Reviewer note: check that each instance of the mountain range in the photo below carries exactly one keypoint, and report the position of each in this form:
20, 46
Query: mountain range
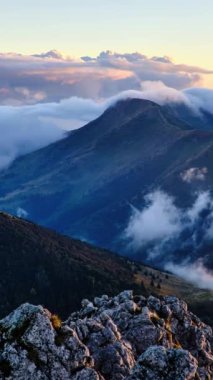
87, 184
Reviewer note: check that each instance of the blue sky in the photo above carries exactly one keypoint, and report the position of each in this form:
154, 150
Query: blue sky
180, 29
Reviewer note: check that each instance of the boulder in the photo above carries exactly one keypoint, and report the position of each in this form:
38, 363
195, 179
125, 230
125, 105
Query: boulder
125, 337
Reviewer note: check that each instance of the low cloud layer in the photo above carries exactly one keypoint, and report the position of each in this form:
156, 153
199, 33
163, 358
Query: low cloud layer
195, 273
160, 220
24, 129
163, 229
27, 128
50, 77
22, 133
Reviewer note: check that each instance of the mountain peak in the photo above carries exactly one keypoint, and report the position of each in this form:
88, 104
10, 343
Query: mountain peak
137, 102
122, 112
131, 106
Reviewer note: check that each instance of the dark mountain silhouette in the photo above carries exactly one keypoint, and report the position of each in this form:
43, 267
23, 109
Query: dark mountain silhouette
42, 267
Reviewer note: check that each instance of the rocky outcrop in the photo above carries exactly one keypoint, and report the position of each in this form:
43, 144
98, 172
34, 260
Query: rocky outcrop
125, 337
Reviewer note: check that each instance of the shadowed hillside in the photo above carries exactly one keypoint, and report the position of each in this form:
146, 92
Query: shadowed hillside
42, 267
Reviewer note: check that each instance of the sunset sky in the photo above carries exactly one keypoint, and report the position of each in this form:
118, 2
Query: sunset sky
180, 29
91, 47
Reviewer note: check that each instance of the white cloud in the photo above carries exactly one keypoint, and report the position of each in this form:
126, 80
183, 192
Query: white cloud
202, 202
195, 273
21, 213
194, 174
160, 223
22, 132
159, 220
163, 229
158, 92
24, 129
201, 98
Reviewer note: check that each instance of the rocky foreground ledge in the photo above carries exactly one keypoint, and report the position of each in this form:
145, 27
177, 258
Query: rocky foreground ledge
125, 337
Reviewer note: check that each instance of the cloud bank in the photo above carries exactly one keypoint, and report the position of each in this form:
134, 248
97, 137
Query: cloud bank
160, 221
50, 77
165, 231
22, 133
24, 129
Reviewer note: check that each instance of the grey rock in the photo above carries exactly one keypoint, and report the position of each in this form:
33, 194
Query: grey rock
159, 363
154, 303
123, 337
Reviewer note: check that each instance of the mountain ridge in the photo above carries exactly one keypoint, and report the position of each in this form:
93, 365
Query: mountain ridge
83, 185
42, 267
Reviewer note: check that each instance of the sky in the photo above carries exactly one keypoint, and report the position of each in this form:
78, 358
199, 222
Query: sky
52, 50
180, 29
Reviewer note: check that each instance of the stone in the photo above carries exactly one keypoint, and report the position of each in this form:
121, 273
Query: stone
125, 337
